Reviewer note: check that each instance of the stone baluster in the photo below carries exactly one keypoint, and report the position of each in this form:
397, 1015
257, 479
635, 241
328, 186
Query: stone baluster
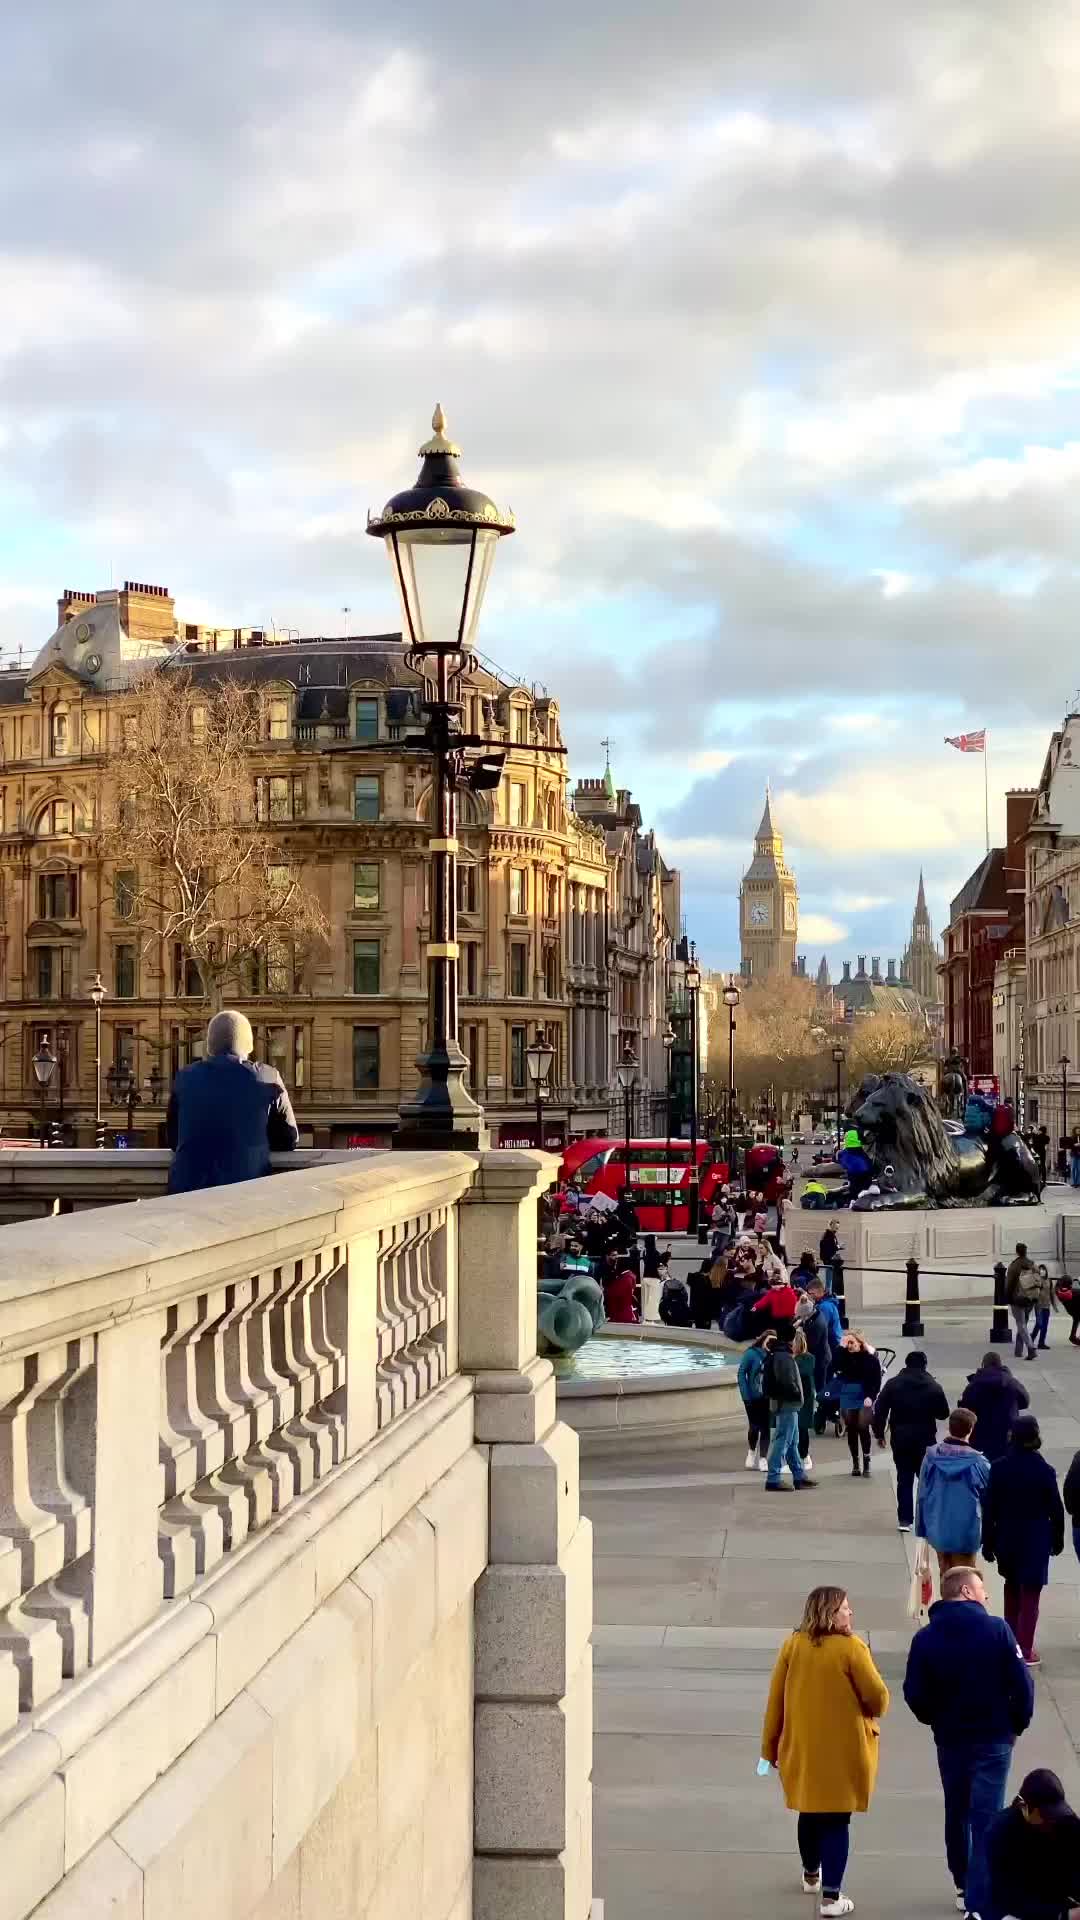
308, 1444
533, 1715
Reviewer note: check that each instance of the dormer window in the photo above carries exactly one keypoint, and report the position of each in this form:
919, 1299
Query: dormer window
59, 731
278, 719
366, 725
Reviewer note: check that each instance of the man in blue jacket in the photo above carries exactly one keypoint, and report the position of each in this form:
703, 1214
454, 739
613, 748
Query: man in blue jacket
226, 1113
966, 1680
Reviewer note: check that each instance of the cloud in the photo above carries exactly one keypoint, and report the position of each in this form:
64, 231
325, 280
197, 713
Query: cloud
820, 930
764, 320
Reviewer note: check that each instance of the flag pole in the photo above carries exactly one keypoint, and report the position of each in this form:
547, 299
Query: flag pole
986, 787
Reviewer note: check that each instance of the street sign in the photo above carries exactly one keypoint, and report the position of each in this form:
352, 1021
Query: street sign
121, 1140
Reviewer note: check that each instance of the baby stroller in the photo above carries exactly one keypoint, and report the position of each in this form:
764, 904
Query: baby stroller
828, 1400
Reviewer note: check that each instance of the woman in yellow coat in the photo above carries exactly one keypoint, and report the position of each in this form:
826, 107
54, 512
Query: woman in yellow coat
821, 1733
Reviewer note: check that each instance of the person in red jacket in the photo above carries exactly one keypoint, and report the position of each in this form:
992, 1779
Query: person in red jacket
619, 1284
779, 1300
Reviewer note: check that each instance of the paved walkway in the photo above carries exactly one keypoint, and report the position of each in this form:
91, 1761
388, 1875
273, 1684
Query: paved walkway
699, 1576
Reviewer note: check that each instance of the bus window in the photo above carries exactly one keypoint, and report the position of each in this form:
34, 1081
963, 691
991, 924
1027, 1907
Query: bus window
593, 1165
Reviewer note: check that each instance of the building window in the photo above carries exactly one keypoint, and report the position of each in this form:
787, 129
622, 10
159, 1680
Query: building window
124, 972
366, 886
277, 1050
299, 1056
551, 973
198, 725
58, 896
521, 725
124, 1047
367, 720
519, 959
517, 1058
129, 732
280, 796
466, 888
366, 796
518, 792
271, 971
365, 1059
55, 818
124, 887
53, 973
278, 719
519, 893
469, 967
187, 980
59, 734
470, 1047
365, 966
552, 899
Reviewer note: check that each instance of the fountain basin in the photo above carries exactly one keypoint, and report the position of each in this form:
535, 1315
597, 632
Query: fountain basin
633, 1385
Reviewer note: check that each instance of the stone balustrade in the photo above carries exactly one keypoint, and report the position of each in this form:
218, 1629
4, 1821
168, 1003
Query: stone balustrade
289, 1538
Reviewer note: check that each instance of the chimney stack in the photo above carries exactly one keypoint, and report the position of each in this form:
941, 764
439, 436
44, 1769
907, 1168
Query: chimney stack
891, 980
875, 967
847, 969
861, 974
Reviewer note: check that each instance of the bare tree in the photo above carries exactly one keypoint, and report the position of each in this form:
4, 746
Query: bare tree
890, 1043
202, 873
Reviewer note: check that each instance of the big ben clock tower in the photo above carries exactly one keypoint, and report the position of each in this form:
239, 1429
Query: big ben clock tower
768, 905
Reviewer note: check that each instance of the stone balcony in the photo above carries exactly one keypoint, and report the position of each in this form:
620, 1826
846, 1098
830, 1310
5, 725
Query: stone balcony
295, 1599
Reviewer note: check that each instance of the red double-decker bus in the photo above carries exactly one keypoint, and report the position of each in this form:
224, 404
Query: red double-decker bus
659, 1176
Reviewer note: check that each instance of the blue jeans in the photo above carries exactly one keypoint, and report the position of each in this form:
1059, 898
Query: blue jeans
1042, 1325
823, 1847
973, 1778
1074, 1170
784, 1447
1076, 1540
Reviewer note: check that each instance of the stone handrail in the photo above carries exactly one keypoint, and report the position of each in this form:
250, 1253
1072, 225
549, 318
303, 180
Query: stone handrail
175, 1375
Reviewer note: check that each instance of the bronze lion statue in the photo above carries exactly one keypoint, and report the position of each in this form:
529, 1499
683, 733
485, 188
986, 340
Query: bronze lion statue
935, 1161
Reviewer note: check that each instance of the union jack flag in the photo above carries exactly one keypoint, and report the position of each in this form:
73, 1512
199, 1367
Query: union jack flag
967, 742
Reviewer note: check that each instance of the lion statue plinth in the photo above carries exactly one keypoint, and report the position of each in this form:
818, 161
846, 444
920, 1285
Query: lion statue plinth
935, 1161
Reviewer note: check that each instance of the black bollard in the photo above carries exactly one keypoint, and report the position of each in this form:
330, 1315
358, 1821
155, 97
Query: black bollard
912, 1328
838, 1289
999, 1332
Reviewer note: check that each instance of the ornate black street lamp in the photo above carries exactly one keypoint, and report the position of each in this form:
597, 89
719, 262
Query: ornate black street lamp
839, 1057
441, 538
1065, 1063
627, 1073
693, 988
667, 1039
97, 995
732, 996
540, 1058
44, 1064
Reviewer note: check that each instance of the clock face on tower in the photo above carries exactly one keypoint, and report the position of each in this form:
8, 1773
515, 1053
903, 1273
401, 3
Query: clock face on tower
759, 914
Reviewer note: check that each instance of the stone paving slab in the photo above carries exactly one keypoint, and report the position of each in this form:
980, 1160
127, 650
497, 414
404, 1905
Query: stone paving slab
697, 1582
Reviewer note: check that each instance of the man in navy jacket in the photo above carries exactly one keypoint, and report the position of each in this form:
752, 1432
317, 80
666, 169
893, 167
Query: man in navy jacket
226, 1113
967, 1681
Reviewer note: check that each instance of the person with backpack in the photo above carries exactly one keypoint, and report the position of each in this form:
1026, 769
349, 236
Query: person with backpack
1022, 1287
804, 1360
1023, 1526
783, 1387
1046, 1304
909, 1406
751, 1379
995, 1396
952, 1488
675, 1303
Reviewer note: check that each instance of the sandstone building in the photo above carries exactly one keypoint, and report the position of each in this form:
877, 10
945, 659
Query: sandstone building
563, 916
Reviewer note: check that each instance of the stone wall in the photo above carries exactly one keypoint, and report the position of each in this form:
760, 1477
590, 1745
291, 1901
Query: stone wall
376, 1701
956, 1247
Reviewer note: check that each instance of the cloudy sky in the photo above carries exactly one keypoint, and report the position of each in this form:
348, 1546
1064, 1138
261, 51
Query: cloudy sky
763, 318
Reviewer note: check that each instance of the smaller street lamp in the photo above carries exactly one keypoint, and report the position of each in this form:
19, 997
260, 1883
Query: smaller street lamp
44, 1063
627, 1074
693, 988
97, 995
540, 1058
732, 996
839, 1057
667, 1040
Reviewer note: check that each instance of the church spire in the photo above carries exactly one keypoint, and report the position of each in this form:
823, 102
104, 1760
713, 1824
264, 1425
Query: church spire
920, 904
